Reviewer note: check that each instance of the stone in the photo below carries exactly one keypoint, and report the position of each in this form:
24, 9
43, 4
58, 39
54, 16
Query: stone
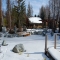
4, 43
18, 48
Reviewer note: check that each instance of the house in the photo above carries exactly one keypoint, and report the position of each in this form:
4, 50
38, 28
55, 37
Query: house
35, 22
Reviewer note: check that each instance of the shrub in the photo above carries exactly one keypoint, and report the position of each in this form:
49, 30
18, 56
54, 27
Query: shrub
11, 31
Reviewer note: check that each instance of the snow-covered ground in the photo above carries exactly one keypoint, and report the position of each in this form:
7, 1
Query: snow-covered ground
33, 44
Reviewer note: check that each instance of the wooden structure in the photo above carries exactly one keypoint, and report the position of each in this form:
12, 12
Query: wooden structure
24, 34
45, 44
47, 49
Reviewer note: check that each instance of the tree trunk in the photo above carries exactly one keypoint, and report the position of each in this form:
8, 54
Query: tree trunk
59, 26
0, 12
9, 13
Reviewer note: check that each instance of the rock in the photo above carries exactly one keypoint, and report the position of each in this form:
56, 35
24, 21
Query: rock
4, 43
0, 35
18, 48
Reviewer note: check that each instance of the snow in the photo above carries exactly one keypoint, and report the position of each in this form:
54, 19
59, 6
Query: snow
33, 44
35, 20
34, 30
54, 53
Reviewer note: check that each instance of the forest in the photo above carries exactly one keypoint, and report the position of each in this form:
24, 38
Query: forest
17, 13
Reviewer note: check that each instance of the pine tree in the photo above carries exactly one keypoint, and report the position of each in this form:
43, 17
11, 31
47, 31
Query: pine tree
42, 13
19, 13
21, 10
29, 11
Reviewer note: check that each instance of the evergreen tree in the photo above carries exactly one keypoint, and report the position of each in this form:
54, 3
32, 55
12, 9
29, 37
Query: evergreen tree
42, 13
19, 13
35, 15
29, 11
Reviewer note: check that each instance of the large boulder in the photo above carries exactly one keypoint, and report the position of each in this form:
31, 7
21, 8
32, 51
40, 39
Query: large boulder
18, 48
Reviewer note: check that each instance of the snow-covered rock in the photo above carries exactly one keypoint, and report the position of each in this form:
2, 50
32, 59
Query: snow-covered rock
18, 48
4, 43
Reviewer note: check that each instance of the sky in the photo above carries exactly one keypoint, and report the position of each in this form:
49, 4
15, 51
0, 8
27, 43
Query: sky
36, 4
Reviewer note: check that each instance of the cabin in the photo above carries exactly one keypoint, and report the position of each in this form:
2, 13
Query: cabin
35, 22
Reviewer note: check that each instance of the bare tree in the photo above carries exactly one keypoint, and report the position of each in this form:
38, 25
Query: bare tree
59, 16
9, 13
53, 12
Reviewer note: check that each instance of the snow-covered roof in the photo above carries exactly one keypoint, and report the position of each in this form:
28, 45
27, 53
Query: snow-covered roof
35, 20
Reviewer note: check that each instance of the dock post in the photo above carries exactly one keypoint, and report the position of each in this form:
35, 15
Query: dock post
55, 42
46, 44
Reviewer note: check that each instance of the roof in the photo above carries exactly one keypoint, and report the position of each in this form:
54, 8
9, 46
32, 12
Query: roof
35, 20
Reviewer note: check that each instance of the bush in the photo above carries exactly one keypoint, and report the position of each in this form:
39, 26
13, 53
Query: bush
11, 31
